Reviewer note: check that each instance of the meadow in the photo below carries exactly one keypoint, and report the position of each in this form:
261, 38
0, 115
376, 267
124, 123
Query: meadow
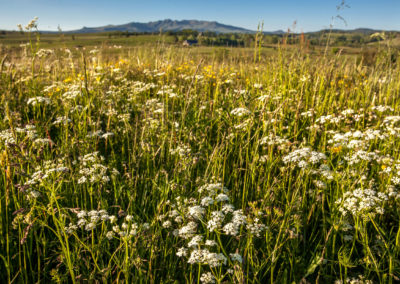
163, 164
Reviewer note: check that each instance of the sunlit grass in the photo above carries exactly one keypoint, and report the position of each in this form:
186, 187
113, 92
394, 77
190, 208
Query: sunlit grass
160, 165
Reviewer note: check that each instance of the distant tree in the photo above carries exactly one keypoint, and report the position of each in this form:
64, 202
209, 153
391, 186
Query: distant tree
248, 40
342, 38
356, 39
275, 39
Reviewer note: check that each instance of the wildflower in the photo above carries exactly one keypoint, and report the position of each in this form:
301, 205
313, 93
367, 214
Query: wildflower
196, 256
81, 223
255, 227
239, 112
196, 211
210, 243
167, 224
38, 100
32, 24
215, 221
228, 208
90, 226
231, 229
71, 228
195, 241
236, 257
188, 231
222, 197
35, 194
214, 259
206, 201
110, 235
113, 219
207, 278
362, 202
182, 252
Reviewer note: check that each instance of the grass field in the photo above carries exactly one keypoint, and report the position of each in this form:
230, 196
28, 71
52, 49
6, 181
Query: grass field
154, 163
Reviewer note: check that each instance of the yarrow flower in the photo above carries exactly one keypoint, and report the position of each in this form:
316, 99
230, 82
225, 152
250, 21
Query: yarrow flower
207, 278
239, 112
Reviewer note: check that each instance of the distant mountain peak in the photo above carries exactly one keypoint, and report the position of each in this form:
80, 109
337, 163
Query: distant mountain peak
198, 25
167, 25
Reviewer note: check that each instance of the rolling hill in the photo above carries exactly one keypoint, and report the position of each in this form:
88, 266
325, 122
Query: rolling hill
166, 25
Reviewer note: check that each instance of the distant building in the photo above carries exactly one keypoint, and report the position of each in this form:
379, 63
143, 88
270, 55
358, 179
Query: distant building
189, 42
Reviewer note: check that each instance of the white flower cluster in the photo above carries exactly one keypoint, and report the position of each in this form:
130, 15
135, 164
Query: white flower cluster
308, 113
154, 106
181, 150
141, 87
62, 120
28, 132
212, 188
233, 227
382, 108
90, 220
263, 98
303, 157
391, 119
168, 91
30, 26
204, 256
207, 278
99, 134
272, 139
44, 52
210, 214
362, 202
361, 156
50, 170
7, 137
325, 119
91, 170
360, 280
239, 112
38, 100
74, 91
356, 139
42, 141
392, 192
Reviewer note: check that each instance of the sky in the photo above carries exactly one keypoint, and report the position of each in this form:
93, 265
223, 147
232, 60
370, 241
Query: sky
309, 15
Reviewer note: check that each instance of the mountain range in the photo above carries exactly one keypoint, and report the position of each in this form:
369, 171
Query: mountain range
168, 25
200, 26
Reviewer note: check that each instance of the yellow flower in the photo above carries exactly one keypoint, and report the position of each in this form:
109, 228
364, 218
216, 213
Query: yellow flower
336, 149
68, 80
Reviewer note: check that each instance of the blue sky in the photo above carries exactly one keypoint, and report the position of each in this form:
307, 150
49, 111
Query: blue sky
310, 15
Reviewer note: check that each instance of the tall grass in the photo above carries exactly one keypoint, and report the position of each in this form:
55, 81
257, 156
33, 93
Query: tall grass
162, 165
